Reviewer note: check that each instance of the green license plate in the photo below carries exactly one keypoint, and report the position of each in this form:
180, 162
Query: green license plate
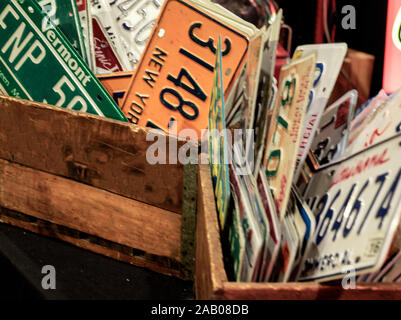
44, 67
64, 15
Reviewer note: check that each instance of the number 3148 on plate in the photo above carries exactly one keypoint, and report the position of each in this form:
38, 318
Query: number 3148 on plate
174, 80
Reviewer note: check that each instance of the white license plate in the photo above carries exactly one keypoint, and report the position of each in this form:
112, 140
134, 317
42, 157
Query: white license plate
135, 20
333, 128
329, 59
378, 126
357, 217
87, 32
107, 42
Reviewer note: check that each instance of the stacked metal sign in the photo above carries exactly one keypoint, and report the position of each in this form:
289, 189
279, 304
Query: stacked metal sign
304, 191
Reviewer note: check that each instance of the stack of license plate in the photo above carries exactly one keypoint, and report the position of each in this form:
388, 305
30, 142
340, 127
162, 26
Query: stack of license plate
305, 191
310, 191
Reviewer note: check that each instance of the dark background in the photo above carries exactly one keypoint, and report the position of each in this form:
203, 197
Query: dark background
368, 37
80, 274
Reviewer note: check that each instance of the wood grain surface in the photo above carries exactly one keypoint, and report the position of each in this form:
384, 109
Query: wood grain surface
210, 274
91, 210
104, 153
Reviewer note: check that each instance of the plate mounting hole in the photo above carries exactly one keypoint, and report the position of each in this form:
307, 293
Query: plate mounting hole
161, 33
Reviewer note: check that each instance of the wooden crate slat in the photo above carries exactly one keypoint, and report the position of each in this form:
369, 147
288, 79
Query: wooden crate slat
91, 210
308, 291
129, 255
210, 274
104, 153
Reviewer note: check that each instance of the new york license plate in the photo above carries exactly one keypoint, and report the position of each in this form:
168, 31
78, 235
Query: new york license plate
357, 217
174, 78
42, 66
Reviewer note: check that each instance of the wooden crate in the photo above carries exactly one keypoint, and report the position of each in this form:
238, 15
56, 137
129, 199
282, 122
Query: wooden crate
211, 279
85, 180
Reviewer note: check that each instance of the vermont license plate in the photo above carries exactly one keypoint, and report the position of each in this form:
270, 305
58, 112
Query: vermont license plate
357, 217
64, 14
174, 79
43, 67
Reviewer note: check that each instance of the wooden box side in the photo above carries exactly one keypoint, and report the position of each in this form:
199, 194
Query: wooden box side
211, 278
98, 245
104, 153
90, 210
209, 274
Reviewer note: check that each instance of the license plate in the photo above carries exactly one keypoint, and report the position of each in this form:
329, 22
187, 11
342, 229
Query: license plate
64, 14
116, 84
380, 125
252, 75
218, 147
86, 25
272, 217
236, 239
285, 128
357, 217
334, 128
253, 218
254, 241
135, 20
43, 67
174, 79
329, 59
267, 89
106, 40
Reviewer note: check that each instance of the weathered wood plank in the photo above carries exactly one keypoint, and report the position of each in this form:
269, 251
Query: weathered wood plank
71, 236
188, 221
104, 153
210, 274
309, 291
88, 209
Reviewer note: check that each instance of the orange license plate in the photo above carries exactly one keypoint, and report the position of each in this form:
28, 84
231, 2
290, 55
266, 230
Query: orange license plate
174, 79
116, 84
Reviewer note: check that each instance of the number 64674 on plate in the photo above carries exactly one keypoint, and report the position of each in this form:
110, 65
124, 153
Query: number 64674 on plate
357, 217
